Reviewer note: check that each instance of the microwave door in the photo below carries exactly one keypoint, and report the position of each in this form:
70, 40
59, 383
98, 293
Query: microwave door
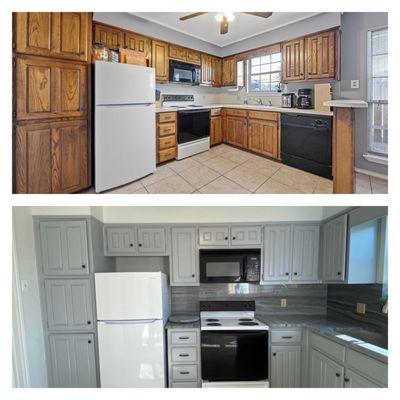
226, 269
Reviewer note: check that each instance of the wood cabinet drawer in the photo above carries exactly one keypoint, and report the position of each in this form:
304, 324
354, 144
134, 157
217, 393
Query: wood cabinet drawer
184, 354
329, 347
184, 337
184, 372
166, 142
270, 116
166, 129
166, 117
167, 154
236, 112
215, 112
292, 336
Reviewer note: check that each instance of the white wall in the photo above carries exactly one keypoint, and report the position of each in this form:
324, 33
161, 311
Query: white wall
58, 210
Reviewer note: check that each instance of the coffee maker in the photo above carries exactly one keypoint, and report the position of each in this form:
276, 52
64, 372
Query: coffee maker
304, 98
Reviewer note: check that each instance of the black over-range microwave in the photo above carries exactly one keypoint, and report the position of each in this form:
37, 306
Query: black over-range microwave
181, 72
230, 266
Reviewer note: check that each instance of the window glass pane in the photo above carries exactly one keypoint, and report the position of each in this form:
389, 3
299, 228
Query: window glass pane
265, 59
380, 65
255, 69
255, 83
379, 89
255, 61
276, 66
262, 71
379, 41
275, 57
276, 76
265, 68
275, 86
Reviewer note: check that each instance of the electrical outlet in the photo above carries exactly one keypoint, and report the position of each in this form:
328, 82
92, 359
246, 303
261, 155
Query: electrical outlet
283, 303
361, 308
355, 84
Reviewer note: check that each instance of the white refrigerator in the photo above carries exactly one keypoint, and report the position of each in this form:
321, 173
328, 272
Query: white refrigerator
132, 310
124, 123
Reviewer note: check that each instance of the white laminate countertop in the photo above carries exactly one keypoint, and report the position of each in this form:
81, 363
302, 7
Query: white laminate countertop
344, 103
249, 107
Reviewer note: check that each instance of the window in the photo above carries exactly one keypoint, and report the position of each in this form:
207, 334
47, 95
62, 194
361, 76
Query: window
378, 91
264, 73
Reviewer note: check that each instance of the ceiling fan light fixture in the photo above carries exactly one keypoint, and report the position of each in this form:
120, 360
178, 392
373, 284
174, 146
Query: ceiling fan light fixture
230, 17
219, 17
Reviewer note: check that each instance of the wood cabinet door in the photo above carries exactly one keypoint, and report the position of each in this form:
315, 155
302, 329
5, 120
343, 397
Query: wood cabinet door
193, 57
61, 35
68, 304
324, 372
50, 89
236, 131
184, 257
52, 157
293, 60
305, 253
263, 137
285, 366
72, 359
152, 241
334, 239
159, 60
216, 130
216, 72
246, 235
177, 52
206, 69
321, 56
277, 253
214, 236
111, 37
229, 71
121, 240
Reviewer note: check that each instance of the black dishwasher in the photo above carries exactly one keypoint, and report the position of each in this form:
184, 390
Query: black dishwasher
306, 143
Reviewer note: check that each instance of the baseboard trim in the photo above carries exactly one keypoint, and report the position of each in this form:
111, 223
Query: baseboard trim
371, 173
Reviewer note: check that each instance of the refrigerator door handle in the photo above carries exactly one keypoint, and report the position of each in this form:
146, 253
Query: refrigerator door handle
128, 322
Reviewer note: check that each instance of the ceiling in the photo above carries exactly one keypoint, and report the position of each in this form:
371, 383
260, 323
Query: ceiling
206, 28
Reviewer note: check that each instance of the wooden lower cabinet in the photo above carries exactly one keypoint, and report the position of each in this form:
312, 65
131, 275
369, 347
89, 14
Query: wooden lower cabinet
263, 137
236, 131
216, 130
166, 136
51, 157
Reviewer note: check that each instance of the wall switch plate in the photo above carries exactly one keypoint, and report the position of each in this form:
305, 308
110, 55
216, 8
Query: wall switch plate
361, 308
24, 285
283, 303
355, 84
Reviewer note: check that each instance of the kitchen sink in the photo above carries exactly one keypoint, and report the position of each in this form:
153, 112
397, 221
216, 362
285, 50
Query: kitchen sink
368, 336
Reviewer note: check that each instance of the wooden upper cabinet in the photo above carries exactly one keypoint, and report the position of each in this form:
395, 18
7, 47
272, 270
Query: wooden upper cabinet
140, 43
113, 38
293, 60
177, 52
229, 71
322, 53
46, 88
193, 57
52, 157
206, 69
216, 72
61, 35
160, 60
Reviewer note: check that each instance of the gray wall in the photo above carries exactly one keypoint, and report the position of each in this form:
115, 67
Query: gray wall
354, 66
140, 25
142, 264
301, 299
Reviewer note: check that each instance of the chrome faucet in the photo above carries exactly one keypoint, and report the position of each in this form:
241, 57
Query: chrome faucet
259, 101
269, 102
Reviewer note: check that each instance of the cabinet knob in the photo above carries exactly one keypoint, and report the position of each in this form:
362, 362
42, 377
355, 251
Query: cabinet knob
130, 244
339, 273
83, 266
274, 354
337, 374
193, 275
226, 238
346, 379
295, 273
140, 244
234, 238
286, 273
89, 341
89, 322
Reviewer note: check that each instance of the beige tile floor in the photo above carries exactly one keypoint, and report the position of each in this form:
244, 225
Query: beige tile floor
224, 169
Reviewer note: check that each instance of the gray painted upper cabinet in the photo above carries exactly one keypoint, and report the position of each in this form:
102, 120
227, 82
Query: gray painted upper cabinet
246, 235
121, 240
64, 247
152, 240
286, 366
72, 358
183, 262
334, 238
214, 235
69, 304
305, 253
324, 372
277, 253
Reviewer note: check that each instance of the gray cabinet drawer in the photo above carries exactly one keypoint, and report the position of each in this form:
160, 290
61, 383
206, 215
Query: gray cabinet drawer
290, 336
329, 347
184, 372
183, 337
182, 354
368, 366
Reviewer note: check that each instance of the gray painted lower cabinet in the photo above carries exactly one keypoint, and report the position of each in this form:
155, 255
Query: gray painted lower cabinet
325, 373
73, 360
286, 366
354, 380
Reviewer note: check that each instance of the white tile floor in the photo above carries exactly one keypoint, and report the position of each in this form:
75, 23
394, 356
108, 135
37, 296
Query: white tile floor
224, 169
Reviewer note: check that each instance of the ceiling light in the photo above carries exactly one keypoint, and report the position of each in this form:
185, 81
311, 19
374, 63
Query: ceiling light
219, 17
229, 16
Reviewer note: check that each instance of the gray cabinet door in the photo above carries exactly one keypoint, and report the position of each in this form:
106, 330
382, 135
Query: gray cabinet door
305, 253
354, 380
246, 235
121, 241
214, 236
324, 372
152, 241
69, 304
72, 359
334, 235
277, 253
183, 262
285, 366
64, 247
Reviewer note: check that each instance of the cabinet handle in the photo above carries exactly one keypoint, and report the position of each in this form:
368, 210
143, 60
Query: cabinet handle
339, 273
226, 238
193, 275
183, 355
184, 337
286, 273
234, 238
295, 273
287, 337
89, 341
184, 372
337, 374
130, 244
346, 379
140, 244
89, 322
274, 354
83, 266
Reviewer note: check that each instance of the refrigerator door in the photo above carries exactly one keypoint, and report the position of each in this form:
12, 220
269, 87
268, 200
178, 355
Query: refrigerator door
132, 355
129, 296
123, 84
125, 144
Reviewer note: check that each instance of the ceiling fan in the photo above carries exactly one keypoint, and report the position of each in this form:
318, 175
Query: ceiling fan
225, 18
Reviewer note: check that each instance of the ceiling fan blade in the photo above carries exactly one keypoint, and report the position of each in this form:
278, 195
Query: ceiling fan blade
185, 17
224, 26
260, 14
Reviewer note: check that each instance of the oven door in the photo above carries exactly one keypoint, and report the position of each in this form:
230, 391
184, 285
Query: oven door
234, 355
193, 125
221, 269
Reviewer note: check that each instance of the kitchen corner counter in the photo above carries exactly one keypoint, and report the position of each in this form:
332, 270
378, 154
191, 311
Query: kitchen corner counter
177, 325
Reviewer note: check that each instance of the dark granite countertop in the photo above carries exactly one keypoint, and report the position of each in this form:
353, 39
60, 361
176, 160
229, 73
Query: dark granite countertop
176, 325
